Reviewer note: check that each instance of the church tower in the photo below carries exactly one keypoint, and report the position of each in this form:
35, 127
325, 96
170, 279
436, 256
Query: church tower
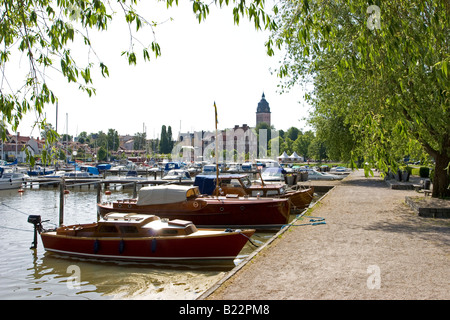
263, 111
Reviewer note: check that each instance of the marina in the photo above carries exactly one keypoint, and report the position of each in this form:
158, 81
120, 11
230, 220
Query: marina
337, 190
36, 274
28, 274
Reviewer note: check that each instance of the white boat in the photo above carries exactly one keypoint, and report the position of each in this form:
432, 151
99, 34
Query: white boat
11, 180
80, 175
85, 172
340, 170
177, 174
56, 175
273, 174
316, 175
267, 163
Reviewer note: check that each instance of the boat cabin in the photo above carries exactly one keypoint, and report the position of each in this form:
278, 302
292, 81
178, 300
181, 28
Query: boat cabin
238, 184
177, 174
130, 225
273, 174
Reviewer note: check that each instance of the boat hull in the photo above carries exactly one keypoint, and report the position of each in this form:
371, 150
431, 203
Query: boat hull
240, 185
214, 212
213, 246
14, 184
299, 199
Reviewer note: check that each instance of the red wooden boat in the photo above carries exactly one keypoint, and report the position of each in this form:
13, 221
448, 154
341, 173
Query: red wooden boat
135, 237
240, 184
186, 203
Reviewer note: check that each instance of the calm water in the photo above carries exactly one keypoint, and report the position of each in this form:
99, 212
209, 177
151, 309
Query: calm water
31, 274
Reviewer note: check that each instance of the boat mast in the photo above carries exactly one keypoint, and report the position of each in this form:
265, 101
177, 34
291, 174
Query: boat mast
217, 154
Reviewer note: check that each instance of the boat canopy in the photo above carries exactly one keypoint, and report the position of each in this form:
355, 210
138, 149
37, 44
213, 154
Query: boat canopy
273, 172
90, 170
172, 165
207, 183
103, 166
165, 194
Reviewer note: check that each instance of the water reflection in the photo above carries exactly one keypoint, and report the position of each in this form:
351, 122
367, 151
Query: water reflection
127, 280
30, 274
56, 277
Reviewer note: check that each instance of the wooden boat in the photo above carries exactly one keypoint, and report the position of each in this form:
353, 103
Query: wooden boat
143, 238
186, 203
241, 185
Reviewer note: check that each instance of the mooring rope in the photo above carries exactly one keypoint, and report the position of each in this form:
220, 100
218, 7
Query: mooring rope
21, 212
239, 231
312, 222
249, 240
24, 213
15, 229
10, 228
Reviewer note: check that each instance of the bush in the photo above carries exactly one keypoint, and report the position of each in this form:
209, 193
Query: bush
424, 172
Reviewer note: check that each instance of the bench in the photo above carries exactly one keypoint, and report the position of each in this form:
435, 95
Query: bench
427, 193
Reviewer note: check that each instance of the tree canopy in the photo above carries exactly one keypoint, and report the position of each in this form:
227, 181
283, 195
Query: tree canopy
42, 32
379, 70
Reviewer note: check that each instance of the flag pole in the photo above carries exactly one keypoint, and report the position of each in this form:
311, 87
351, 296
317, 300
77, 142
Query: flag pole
217, 153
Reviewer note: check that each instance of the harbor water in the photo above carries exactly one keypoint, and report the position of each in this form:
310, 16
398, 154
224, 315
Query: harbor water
34, 274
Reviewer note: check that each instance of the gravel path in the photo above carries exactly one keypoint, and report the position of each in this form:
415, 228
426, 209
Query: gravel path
372, 246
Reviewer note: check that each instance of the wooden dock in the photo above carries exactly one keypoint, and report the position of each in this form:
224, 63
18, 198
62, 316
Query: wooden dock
109, 178
54, 182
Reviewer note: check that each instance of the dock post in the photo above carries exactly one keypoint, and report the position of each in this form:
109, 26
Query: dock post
135, 190
99, 198
61, 201
98, 186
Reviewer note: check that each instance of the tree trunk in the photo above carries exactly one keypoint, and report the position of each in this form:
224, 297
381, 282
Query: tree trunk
441, 180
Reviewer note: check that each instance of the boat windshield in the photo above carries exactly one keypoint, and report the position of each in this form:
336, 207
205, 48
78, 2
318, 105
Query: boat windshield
246, 182
192, 193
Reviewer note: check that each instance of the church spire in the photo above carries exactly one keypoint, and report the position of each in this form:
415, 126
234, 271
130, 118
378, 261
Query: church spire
263, 111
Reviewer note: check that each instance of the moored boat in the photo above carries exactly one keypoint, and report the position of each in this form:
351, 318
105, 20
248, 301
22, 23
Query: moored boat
177, 175
11, 180
39, 171
186, 203
241, 185
84, 172
143, 238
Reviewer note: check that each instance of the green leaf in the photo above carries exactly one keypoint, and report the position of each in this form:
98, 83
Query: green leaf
104, 69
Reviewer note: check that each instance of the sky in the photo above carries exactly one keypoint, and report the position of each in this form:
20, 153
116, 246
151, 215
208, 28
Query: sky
214, 61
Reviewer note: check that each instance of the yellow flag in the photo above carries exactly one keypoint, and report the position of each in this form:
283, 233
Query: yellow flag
215, 109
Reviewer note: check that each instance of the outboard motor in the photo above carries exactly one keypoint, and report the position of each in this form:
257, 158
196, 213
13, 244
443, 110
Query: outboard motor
36, 221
